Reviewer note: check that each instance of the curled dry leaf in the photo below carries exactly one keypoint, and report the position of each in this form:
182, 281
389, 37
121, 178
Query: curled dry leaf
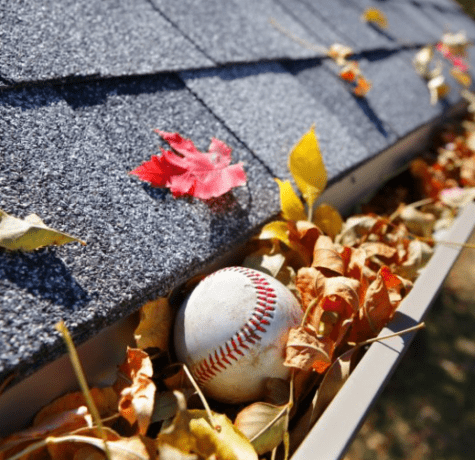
335, 377
284, 232
354, 229
137, 399
153, 331
105, 399
438, 89
418, 222
377, 309
56, 424
191, 432
363, 85
263, 424
422, 60
29, 234
166, 405
378, 249
328, 260
455, 44
457, 197
265, 260
304, 348
350, 71
418, 254
339, 53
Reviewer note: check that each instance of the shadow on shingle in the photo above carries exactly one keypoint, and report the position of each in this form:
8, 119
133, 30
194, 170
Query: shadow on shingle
365, 106
79, 95
382, 32
235, 71
44, 275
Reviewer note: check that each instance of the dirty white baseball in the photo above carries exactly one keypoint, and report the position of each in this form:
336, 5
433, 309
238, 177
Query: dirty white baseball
232, 330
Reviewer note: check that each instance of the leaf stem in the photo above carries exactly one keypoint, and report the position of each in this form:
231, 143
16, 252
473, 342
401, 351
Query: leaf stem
310, 212
396, 334
73, 356
308, 310
215, 426
300, 41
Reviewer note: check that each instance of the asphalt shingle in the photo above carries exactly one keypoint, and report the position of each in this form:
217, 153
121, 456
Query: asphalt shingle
239, 31
268, 109
355, 113
67, 153
83, 84
345, 18
78, 38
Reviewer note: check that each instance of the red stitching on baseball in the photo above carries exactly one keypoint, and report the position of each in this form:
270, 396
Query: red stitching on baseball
207, 368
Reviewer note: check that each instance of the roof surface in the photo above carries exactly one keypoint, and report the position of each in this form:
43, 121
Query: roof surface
82, 85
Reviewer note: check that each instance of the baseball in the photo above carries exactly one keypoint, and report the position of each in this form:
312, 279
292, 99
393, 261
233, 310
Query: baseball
231, 331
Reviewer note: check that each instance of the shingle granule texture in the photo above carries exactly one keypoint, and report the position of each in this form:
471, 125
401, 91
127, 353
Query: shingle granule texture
84, 83
66, 153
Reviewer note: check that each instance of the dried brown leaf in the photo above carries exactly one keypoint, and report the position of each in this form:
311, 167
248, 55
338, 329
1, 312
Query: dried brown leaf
153, 331
137, 399
263, 424
304, 348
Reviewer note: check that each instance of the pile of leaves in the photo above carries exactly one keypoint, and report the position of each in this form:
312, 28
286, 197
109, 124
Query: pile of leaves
453, 48
350, 276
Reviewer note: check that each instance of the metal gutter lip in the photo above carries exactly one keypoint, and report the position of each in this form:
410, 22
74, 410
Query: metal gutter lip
335, 429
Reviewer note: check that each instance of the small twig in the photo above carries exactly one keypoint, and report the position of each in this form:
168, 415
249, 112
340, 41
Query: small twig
308, 310
301, 42
454, 243
310, 213
202, 397
396, 334
73, 356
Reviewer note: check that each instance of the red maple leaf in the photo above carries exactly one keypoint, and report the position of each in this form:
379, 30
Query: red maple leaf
187, 171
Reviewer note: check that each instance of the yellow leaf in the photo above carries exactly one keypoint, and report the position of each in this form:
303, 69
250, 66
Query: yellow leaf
462, 77
227, 443
29, 234
375, 16
264, 424
156, 319
328, 219
307, 168
276, 230
333, 380
292, 207
279, 230
191, 431
266, 261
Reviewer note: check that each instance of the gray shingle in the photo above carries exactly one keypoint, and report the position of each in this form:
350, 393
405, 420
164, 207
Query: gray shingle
356, 114
449, 21
79, 38
399, 95
345, 18
239, 30
406, 28
269, 110
67, 160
